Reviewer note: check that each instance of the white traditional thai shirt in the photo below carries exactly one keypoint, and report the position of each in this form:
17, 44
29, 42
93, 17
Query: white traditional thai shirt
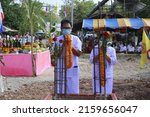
73, 72
123, 49
111, 52
131, 49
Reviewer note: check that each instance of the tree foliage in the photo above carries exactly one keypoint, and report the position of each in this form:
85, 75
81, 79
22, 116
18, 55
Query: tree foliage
32, 15
15, 18
81, 9
13, 14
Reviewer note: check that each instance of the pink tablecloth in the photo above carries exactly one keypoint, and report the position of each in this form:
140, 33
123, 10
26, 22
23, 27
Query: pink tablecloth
21, 64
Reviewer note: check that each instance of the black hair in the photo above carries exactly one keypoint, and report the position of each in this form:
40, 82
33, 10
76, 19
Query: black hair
65, 21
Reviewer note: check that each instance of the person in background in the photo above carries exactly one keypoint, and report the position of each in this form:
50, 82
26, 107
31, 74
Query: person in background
123, 48
78, 34
75, 47
128, 46
139, 48
120, 45
116, 46
131, 49
111, 60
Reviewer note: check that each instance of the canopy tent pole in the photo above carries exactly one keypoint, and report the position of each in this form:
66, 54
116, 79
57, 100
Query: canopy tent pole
126, 40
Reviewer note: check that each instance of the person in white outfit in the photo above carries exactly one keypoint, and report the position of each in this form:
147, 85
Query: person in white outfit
111, 60
131, 49
72, 74
123, 49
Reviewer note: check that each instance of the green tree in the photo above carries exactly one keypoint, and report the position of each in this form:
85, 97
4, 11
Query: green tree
32, 10
37, 16
13, 15
81, 9
51, 16
34, 15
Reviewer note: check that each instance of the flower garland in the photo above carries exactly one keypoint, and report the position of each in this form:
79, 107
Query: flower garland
102, 53
68, 56
102, 68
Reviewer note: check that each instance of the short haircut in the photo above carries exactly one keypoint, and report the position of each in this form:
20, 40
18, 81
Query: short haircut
65, 21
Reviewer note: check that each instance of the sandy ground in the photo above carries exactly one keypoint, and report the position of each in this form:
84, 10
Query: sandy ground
15, 83
130, 82
127, 67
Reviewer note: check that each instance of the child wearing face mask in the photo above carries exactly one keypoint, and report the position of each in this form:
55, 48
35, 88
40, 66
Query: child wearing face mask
72, 73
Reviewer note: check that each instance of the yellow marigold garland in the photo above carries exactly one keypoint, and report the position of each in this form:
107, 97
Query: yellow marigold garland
102, 68
68, 51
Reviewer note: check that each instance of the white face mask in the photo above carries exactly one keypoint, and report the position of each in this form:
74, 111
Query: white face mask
66, 31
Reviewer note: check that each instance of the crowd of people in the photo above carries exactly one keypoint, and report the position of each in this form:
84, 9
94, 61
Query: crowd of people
127, 48
18, 40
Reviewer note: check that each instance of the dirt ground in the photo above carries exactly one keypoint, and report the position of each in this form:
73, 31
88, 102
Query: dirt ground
130, 82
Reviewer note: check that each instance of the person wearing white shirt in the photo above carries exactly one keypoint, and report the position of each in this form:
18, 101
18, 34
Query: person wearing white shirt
139, 49
131, 49
120, 45
123, 49
128, 47
111, 60
72, 74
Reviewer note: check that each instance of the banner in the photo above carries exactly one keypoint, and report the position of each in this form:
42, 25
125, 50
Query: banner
145, 55
1, 26
1, 13
1, 18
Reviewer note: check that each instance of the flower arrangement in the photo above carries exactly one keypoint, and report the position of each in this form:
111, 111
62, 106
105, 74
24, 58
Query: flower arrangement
61, 46
55, 51
106, 34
